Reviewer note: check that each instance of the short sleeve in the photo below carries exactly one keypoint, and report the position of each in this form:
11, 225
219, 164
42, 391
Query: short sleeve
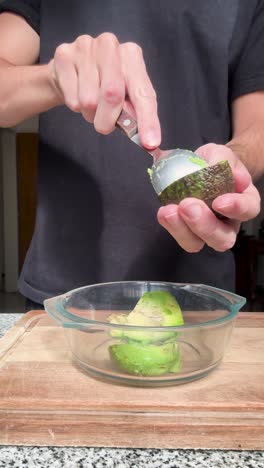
248, 75
28, 9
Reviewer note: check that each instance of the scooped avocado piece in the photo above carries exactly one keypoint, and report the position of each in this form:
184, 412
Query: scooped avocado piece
119, 319
146, 360
176, 367
154, 309
205, 184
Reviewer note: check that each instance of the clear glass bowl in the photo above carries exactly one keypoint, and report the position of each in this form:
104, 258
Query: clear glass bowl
148, 356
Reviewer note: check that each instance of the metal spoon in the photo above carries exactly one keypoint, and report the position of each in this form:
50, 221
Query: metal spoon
168, 165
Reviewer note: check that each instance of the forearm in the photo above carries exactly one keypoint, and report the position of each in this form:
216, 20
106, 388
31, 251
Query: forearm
24, 92
249, 147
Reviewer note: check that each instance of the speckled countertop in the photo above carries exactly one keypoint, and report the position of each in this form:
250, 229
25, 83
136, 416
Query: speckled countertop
86, 457
7, 320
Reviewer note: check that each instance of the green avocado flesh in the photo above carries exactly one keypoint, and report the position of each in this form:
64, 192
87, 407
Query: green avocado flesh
154, 309
198, 160
148, 352
146, 360
205, 184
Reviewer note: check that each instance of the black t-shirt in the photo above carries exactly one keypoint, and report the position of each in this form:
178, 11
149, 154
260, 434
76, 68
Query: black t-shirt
96, 217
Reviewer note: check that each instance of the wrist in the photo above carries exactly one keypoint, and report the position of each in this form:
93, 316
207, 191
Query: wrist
247, 147
53, 85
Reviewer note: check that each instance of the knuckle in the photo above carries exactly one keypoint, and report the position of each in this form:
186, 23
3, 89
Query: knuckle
194, 248
210, 146
62, 52
147, 93
104, 130
228, 150
113, 93
133, 48
73, 104
108, 37
84, 41
228, 154
207, 228
226, 244
153, 94
88, 102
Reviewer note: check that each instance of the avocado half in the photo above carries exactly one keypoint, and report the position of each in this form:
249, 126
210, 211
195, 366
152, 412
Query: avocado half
205, 184
148, 353
146, 360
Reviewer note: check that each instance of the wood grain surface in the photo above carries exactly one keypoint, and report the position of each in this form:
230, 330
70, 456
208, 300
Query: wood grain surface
46, 400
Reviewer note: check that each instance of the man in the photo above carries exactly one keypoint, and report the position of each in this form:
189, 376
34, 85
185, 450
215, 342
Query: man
203, 62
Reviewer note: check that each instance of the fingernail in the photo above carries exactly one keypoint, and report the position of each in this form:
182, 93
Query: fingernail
170, 211
224, 204
192, 211
171, 214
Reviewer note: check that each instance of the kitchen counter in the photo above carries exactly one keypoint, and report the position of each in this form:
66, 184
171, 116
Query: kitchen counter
84, 457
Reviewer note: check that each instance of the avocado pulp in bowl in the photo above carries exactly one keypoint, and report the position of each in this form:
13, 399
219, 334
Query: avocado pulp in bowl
142, 352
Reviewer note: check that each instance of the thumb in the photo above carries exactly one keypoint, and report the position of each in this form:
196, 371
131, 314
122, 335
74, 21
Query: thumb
242, 178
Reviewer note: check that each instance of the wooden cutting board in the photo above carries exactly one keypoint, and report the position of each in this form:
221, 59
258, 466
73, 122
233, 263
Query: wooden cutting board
46, 400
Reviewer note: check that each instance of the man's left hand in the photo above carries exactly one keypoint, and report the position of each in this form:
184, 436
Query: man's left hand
193, 224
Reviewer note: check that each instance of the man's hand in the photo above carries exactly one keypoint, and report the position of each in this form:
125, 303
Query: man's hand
94, 76
193, 224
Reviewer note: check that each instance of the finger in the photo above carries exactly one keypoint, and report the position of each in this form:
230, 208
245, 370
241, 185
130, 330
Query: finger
239, 206
242, 177
66, 76
88, 78
141, 94
213, 153
112, 83
220, 235
128, 106
169, 218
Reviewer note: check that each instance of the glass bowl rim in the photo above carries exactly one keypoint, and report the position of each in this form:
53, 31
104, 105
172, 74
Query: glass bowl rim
74, 320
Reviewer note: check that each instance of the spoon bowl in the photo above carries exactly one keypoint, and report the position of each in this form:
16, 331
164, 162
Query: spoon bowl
172, 165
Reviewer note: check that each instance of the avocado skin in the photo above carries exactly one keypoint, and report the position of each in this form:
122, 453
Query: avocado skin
146, 360
205, 184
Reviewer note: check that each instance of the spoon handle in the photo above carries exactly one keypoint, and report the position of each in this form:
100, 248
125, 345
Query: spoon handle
127, 124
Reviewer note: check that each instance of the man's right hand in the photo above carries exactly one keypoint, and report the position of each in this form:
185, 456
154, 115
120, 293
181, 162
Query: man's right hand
93, 76
99, 76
